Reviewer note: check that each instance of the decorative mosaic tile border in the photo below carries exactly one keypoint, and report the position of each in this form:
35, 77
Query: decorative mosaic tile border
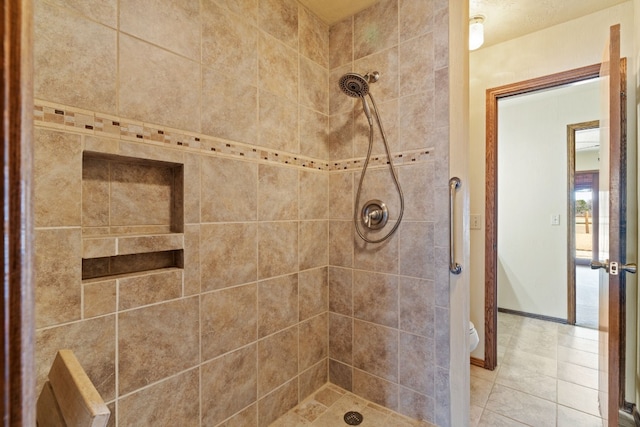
69, 118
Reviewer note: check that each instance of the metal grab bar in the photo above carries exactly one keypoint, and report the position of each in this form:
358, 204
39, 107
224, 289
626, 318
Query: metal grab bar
454, 267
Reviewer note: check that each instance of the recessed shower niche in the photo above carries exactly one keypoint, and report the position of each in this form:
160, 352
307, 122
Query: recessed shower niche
132, 215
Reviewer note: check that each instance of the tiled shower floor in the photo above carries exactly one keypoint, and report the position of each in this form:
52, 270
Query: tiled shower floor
327, 406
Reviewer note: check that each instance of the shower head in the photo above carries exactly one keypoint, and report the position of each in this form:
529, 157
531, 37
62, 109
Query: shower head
354, 85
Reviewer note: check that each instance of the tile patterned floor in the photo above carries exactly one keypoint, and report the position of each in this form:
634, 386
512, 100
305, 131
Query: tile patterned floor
547, 376
326, 408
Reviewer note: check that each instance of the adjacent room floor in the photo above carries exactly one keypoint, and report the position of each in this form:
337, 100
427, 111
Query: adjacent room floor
547, 375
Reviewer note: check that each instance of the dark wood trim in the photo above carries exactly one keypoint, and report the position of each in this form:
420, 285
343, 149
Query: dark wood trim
533, 315
491, 197
571, 209
477, 362
17, 365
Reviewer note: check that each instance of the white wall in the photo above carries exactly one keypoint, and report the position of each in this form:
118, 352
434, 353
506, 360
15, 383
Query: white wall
588, 160
532, 253
563, 47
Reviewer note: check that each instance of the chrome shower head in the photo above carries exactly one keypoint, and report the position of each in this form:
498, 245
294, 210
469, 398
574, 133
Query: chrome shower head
354, 85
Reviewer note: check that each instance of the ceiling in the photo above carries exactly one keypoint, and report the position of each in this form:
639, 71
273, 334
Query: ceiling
505, 19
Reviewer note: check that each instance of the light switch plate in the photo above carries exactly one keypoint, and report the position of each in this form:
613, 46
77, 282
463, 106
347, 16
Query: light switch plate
476, 222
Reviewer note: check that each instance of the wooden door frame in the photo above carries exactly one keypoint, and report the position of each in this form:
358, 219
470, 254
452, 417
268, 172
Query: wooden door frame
17, 362
493, 95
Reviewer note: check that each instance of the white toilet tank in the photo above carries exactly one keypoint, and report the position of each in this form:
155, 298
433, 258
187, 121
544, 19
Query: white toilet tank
473, 337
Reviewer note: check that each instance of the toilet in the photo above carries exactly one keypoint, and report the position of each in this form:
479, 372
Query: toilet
473, 337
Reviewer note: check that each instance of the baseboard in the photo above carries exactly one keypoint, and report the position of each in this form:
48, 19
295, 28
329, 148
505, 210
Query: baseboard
532, 315
636, 416
477, 362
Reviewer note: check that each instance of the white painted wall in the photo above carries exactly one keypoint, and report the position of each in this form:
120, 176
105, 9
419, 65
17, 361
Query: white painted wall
532, 253
563, 47
588, 160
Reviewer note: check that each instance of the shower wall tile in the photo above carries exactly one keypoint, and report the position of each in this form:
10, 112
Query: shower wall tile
157, 341
232, 379
341, 136
277, 304
277, 193
314, 37
314, 134
313, 341
57, 279
229, 44
417, 306
375, 389
441, 37
341, 243
92, 341
312, 380
441, 88
442, 349
341, 291
95, 191
375, 298
229, 190
339, 102
416, 18
274, 111
341, 338
276, 404
277, 67
314, 240
99, 298
158, 86
341, 195
173, 25
389, 118
314, 189
277, 248
313, 293
417, 119
386, 63
417, 184
416, 405
280, 19
93, 57
375, 28
277, 360
245, 418
314, 86
417, 368
57, 161
104, 12
227, 255
416, 69
341, 375
233, 112
416, 249
247, 9
171, 402
191, 171
229, 320
150, 288
341, 43
375, 350
380, 257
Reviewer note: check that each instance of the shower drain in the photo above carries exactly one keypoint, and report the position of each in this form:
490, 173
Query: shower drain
353, 418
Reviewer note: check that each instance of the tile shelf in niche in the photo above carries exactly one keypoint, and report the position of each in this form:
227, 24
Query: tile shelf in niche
110, 245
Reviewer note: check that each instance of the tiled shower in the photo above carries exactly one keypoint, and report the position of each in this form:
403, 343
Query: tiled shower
195, 174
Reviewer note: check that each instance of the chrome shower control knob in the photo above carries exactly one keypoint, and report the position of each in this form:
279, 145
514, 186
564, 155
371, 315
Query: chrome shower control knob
375, 214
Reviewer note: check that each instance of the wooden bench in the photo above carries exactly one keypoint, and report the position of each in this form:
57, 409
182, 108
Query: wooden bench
69, 398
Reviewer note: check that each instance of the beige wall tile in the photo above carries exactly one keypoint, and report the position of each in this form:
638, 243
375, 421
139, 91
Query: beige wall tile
375, 298
383, 257
314, 244
232, 379
339, 102
280, 19
128, 245
416, 65
227, 255
157, 86
416, 360
375, 389
149, 288
313, 341
141, 194
104, 12
277, 360
156, 342
416, 250
247, 9
92, 341
417, 183
173, 25
341, 43
341, 375
95, 192
375, 28
375, 350
191, 173
57, 177
314, 136
386, 63
314, 37
313, 292
388, 112
191, 260
416, 405
277, 193
229, 44
150, 152
57, 67
341, 131
276, 404
171, 402
277, 248
274, 111
341, 243
314, 189
341, 291
277, 304
229, 320
341, 195
229, 190
313, 89
246, 418
99, 298
341, 338
313, 379
57, 275
277, 67
417, 306
416, 18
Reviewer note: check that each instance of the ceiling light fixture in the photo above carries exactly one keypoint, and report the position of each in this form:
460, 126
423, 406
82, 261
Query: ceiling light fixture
476, 32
